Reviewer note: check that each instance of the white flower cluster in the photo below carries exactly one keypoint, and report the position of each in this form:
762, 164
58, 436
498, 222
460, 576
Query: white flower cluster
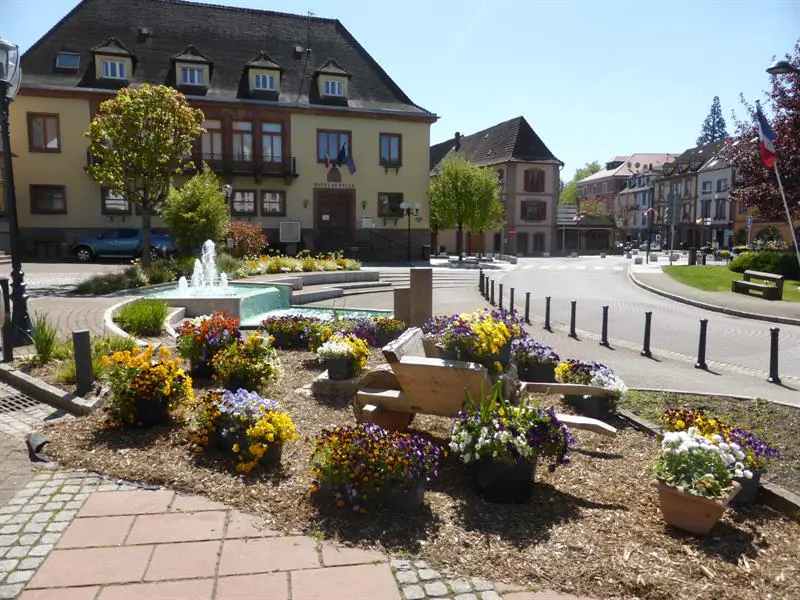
486, 441
606, 378
684, 442
334, 349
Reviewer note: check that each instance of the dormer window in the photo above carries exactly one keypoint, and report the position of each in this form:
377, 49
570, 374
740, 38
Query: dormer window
192, 76
113, 69
68, 61
264, 82
334, 88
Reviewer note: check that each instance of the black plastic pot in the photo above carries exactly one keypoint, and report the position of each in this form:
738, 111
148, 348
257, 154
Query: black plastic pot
537, 373
201, 369
407, 500
749, 491
150, 412
596, 407
500, 482
340, 369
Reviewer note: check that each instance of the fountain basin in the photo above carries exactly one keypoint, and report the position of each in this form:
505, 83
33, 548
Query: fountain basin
322, 313
242, 300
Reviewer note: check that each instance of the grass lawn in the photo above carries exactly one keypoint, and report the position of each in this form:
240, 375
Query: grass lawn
718, 279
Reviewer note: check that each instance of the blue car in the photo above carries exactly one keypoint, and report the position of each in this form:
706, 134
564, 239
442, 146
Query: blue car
121, 243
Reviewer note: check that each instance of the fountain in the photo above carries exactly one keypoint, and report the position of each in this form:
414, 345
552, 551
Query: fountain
208, 291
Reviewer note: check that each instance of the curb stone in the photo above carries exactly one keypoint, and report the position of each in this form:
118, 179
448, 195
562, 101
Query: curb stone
46, 393
734, 312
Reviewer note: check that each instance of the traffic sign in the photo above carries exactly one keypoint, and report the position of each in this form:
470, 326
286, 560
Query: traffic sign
512, 231
749, 221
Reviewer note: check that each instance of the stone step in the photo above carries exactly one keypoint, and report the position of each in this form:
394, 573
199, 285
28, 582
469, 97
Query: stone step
362, 285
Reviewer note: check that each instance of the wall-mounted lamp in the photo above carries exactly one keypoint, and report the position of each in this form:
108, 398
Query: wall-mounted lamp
364, 204
227, 191
305, 202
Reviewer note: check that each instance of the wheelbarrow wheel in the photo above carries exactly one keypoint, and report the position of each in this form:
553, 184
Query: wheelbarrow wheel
382, 378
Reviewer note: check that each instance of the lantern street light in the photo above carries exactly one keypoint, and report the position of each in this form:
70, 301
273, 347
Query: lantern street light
10, 79
782, 67
410, 211
227, 191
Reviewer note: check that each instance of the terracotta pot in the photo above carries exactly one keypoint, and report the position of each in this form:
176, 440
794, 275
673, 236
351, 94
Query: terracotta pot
408, 500
595, 407
501, 482
749, 491
537, 373
340, 369
692, 513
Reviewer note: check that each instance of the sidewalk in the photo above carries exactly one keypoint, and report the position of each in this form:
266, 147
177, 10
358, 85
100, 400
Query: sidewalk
652, 276
76, 536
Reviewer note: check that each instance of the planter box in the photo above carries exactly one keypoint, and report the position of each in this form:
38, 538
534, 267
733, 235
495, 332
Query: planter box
692, 513
500, 482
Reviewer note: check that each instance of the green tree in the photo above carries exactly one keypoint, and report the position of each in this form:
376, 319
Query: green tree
138, 140
197, 211
569, 190
465, 197
713, 128
593, 208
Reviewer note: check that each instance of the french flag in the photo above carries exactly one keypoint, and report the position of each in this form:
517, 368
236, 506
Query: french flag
766, 138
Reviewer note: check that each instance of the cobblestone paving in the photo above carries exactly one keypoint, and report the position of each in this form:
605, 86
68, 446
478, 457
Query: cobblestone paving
20, 414
35, 518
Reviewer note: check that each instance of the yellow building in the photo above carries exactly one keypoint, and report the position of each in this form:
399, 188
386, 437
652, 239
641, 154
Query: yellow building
320, 146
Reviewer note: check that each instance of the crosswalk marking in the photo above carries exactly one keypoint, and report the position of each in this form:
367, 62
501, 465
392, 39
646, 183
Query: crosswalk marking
572, 267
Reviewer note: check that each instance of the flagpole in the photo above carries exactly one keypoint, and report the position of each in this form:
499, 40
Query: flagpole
788, 214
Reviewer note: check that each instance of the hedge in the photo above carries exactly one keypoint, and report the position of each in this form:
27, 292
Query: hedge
780, 263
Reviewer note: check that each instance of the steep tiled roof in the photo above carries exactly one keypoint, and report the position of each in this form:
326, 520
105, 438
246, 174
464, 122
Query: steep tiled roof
693, 159
629, 166
229, 36
513, 140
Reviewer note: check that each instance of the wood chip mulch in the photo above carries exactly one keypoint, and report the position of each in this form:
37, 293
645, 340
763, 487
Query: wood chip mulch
592, 528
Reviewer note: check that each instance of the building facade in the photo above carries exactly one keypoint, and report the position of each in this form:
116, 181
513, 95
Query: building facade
714, 180
633, 204
284, 97
529, 176
676, 198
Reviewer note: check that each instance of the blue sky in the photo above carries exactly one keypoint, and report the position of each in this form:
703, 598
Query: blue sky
594, 78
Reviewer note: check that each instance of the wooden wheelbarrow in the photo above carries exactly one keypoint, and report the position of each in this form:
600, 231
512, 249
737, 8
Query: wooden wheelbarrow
413, 383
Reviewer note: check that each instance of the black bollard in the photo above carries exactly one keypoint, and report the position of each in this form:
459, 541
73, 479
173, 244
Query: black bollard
573, 304
648, 319
480, 280
773, 356
511, 301
547, 313
491, 301
501, 296
604, 336
6, 327
528, 308
701, 350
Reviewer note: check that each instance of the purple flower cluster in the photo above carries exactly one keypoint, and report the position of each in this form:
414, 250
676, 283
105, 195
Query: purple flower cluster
761, 450
515, 323
437, 325
530, 351
290, 331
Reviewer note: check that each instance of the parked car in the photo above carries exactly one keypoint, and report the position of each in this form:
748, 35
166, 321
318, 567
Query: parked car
121, 243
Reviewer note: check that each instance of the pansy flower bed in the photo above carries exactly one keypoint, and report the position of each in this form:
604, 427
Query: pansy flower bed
482, 336
290, 332
201, 338
585, 372
535, 361
250, 364
350, 466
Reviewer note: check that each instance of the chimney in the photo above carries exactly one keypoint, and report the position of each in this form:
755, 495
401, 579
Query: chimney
458, 141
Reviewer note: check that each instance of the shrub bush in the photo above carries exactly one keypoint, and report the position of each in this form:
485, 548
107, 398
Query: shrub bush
248, 238
229, 265
108, 283
197, 211
142, 317
160, 271
44, 338
780, 263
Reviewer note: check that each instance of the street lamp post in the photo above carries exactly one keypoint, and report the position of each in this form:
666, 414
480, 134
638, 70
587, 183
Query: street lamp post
10, 78
782, 67
410, 211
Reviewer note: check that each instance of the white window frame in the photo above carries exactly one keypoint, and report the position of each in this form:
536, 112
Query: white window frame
334, 87
261, 78
192, 73
117, 72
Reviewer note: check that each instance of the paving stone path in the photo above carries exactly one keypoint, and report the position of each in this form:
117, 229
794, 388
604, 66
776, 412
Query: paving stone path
80, 536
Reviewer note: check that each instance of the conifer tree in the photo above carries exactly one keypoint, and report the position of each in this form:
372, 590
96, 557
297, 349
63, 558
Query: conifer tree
714, 126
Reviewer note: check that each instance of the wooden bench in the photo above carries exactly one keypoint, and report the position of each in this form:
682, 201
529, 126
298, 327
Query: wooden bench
771, 288
411, 383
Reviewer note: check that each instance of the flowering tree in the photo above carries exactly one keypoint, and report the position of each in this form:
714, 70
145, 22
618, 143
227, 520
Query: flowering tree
138, 141
755, 185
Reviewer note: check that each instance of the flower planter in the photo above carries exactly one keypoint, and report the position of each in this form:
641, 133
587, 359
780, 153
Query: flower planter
537, 373
286, 341
408, 500
148, 412
692, 513
201, 369
243, 383
749, 491
340, 369
432, 350
500, 482
596, 407
225, 443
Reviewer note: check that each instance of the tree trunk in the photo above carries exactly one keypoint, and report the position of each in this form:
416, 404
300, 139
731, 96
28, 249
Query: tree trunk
460, 241
146, 219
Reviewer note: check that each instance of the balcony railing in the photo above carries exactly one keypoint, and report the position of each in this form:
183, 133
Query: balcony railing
249, 164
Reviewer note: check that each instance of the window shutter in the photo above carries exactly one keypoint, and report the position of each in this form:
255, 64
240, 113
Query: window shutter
526, 180
523, 207
542, 211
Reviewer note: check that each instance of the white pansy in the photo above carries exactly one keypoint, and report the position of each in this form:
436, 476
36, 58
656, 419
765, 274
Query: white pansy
724, 446
747, 474
738, 473
718, 438
734, 447
739, 455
